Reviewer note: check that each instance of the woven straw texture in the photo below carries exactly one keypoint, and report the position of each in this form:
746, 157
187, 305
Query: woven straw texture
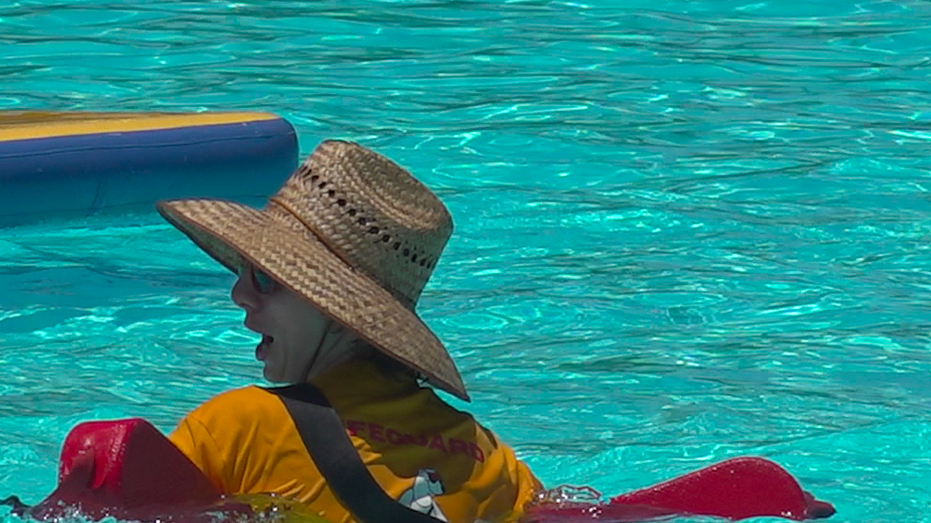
353, 233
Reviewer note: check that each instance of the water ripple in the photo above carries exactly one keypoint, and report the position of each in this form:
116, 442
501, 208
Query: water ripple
694, 232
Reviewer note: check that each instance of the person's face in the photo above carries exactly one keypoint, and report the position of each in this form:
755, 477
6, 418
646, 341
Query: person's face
292, 328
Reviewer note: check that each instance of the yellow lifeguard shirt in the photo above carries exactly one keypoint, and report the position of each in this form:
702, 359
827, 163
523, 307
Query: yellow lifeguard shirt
423, 452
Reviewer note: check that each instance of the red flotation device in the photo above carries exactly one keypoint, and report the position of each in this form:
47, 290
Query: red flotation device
127, 469
735, 489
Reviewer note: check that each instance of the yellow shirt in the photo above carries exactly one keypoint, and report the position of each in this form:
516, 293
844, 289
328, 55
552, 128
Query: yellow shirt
424, 453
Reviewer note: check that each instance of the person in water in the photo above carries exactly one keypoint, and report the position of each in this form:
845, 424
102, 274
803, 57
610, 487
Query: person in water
330, 272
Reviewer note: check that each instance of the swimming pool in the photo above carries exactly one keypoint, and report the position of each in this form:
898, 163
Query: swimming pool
682, 235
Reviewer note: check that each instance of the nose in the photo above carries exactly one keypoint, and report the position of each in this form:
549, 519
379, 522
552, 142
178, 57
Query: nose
243, 293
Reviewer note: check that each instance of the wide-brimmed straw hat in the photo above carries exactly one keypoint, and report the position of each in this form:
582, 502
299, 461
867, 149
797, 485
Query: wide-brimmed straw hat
351, 232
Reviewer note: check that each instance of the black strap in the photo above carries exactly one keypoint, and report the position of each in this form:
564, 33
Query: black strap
337, 459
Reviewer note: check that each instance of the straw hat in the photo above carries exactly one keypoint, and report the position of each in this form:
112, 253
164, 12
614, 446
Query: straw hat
353, 233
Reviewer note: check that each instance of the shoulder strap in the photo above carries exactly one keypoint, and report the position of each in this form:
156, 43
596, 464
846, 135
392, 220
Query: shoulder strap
339, 462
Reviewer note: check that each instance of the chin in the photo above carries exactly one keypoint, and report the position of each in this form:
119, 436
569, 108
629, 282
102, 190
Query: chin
271, 377
278, 379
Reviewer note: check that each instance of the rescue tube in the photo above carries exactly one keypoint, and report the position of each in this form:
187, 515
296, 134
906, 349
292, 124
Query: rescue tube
127, 469
56, 165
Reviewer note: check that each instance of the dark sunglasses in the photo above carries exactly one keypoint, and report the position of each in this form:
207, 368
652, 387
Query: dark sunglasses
261, 282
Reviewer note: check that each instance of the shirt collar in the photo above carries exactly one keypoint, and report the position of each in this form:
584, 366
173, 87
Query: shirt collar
362, 381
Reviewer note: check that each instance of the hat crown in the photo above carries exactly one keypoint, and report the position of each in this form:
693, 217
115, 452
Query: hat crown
370, 212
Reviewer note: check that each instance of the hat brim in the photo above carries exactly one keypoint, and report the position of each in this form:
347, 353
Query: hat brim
231, 232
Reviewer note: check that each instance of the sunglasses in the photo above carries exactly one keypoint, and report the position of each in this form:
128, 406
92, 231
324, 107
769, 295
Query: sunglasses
261, 282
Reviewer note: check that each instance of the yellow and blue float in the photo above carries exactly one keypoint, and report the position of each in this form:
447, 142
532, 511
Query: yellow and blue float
74, 164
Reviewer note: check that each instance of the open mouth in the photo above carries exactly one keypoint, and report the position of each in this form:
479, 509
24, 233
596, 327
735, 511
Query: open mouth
261, 351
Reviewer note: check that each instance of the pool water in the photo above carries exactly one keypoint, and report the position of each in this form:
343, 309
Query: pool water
683, 234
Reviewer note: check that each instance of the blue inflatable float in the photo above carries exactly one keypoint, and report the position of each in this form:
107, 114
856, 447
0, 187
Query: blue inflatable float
74, 164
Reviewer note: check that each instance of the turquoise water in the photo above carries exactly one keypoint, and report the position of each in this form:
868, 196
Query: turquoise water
685, 231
